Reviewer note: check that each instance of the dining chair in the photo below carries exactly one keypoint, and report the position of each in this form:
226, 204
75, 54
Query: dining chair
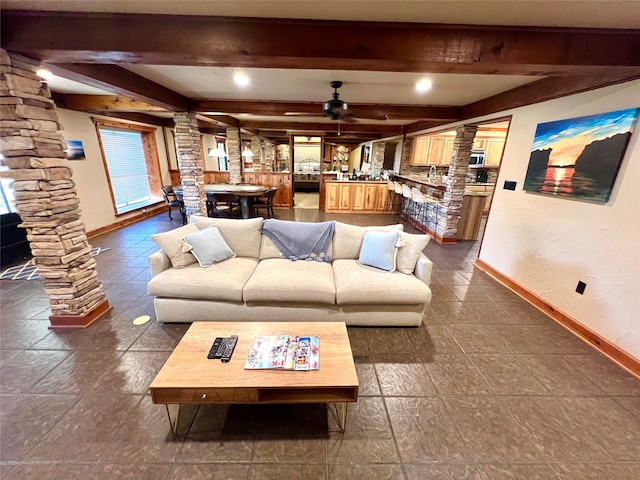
222, 205
266, 202
172, 200
183, 212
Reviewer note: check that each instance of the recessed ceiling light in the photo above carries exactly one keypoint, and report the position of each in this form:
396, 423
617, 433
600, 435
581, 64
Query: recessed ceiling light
424, 85
44, 74
241, 79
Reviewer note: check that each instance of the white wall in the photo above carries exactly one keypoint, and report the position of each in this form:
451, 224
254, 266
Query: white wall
90, 176
547, 244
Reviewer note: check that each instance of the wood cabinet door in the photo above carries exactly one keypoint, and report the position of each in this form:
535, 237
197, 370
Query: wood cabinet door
358, 200
420, 151
333, 196
370, 192
495, 146
381, 197
436, 151
344, 196
448, 150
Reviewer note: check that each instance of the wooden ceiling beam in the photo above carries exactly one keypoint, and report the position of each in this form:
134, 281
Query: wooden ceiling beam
540, 91
113, 103
113, 78
317, 126
63, 37
274, 108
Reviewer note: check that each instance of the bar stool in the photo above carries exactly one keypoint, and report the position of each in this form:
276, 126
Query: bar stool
397, 189
389, 202
407, 200
421, 205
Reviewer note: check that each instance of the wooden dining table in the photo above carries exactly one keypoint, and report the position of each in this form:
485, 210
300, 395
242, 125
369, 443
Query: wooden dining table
245, 193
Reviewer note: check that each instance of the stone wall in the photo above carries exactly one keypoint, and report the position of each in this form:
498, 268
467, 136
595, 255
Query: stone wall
45, 193
256, 148
190, 163
377, 157
233, 155
269, 151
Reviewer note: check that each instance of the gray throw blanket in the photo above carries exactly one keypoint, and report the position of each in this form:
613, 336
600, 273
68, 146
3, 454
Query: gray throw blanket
300, 240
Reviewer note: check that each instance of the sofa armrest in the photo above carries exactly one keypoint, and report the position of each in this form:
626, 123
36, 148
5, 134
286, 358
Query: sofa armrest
423, 269
159, 262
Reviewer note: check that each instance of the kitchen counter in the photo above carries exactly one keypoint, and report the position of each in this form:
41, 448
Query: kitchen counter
423, 180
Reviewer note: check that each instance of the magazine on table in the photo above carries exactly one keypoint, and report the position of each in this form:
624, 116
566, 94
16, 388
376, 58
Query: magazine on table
288, 352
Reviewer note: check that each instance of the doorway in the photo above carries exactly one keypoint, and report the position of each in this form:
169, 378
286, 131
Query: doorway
307, 166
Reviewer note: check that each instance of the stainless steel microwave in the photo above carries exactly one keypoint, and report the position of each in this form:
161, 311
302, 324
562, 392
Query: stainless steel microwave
476, 160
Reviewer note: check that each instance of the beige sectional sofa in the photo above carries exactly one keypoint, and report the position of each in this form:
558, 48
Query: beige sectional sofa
259, 284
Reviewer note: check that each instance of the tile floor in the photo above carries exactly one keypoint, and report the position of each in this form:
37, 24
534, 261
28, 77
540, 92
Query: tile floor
487, 388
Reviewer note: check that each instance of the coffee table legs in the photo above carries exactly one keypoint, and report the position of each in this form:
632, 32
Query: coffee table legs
339, 413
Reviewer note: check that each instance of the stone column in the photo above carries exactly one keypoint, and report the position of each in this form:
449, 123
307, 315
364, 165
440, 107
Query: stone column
45, 196
256, 148
269, 155
190, 163
377, 157
405, 156
451, 205
233, 155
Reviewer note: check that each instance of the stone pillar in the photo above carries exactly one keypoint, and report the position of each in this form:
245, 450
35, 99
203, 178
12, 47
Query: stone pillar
405, 156
233, 155
256, 148
269, 151
190, 163
45, 196
451, 205
377, 157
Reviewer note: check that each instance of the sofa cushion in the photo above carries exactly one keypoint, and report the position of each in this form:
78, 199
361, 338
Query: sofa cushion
358, 284
222, 281
379, 250
410, 248
347, 239
171, 243
207, 246
281, 280
242, 236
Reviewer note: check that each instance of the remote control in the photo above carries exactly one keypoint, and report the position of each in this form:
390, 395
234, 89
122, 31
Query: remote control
221, 348
214, 347
226, 356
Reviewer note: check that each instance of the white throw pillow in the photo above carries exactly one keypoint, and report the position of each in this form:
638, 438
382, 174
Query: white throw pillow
379, 250
410, 248
171, 243
207, 246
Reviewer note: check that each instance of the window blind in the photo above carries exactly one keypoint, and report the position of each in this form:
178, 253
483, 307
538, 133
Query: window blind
127, 168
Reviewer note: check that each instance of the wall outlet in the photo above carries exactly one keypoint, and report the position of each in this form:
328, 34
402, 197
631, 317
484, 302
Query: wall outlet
580, 288
510, 185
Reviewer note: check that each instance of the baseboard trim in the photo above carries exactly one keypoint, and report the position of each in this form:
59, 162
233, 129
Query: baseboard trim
80, 321
150, 212
601, 344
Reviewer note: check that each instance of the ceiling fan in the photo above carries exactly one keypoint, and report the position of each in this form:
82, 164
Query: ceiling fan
337, 109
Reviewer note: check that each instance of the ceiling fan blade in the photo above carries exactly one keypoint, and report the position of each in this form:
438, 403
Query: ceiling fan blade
347, 117
368, 116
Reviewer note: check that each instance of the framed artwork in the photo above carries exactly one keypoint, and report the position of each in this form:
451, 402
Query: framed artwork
580, 157
75, 150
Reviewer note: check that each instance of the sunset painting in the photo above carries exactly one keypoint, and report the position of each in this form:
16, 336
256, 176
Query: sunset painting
580, 157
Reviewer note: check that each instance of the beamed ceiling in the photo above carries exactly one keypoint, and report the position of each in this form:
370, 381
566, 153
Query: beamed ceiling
144, 67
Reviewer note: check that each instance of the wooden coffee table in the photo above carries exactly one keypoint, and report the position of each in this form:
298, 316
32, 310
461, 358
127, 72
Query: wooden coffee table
189, 377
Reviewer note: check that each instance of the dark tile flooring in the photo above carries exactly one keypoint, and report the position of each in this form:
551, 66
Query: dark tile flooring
487, 388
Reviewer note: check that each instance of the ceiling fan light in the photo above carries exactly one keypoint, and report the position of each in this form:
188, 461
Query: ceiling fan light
423, 85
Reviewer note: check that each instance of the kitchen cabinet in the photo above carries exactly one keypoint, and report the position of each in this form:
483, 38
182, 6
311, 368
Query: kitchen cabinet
436, 150
486, 189
470, 217
355, 197
448, 150
420, 151
479, 143
495, 146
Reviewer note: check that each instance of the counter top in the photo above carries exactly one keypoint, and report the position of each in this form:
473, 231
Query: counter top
333, 180
424, 181
478, 184
467, 193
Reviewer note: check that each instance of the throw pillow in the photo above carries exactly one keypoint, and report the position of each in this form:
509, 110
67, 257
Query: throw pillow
410, 248
171, 243
207, 246
379, 250
242, 236
347, 239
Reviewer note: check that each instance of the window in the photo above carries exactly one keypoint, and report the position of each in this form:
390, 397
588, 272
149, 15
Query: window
130, 158
6, 196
